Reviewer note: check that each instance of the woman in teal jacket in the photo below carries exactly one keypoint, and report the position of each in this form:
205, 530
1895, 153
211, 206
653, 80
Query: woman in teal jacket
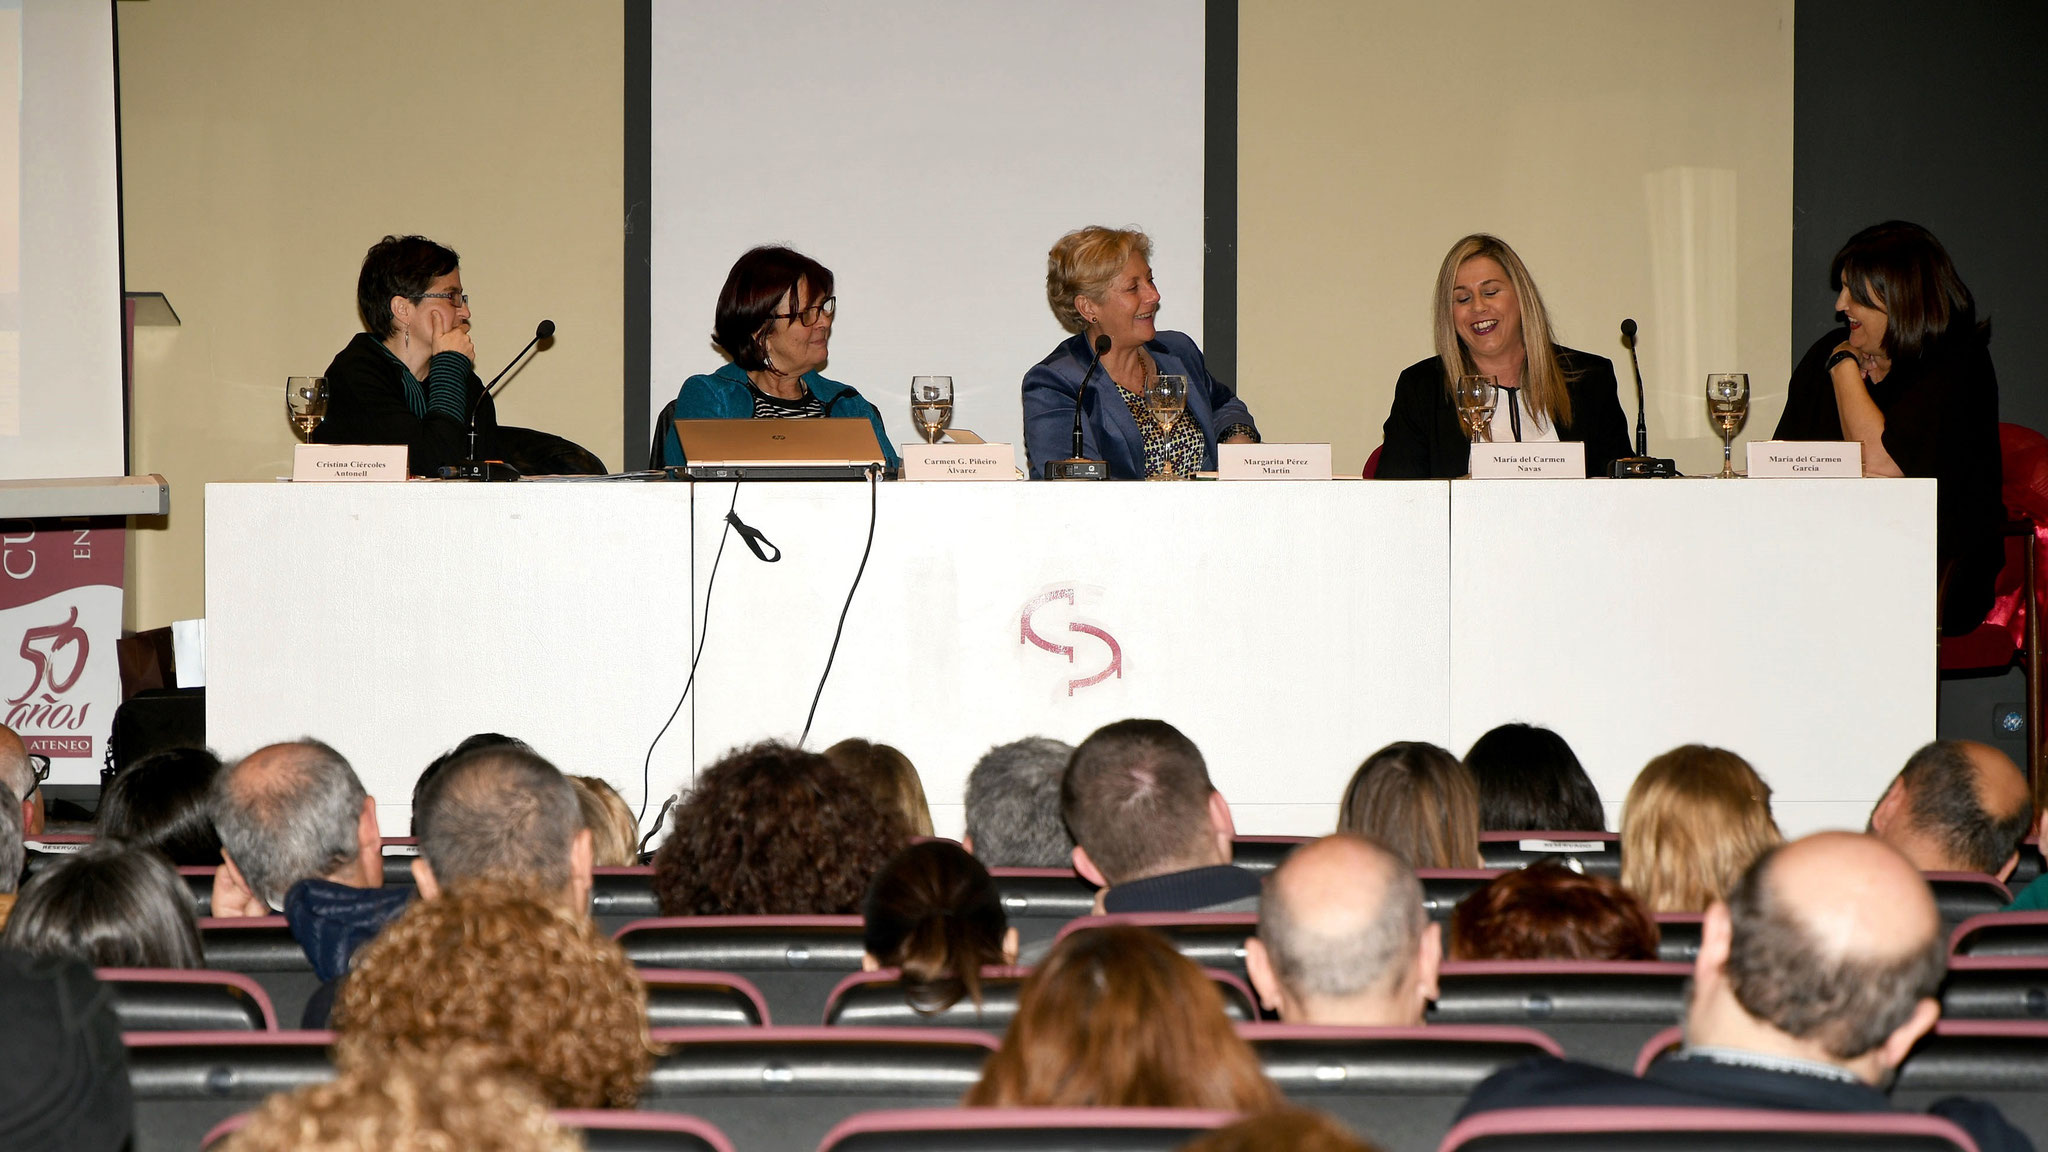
774, 323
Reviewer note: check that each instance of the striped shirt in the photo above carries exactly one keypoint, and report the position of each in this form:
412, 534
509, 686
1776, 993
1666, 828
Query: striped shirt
767, 407
443, 392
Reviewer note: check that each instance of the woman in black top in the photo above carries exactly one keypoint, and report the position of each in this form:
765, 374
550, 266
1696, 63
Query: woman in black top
1490, 321
1910, 378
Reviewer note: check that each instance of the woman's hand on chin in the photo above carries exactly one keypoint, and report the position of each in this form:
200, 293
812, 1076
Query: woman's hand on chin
448, 339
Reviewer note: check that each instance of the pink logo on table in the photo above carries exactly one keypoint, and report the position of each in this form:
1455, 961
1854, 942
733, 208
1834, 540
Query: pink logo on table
1027, 633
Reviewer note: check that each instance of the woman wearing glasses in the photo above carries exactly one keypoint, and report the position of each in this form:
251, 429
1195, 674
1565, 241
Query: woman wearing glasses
408, 379
774, 324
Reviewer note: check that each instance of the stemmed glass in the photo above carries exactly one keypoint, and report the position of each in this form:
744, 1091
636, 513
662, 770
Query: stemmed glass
1728, 407
305, 401
1475, 397
931, 405
1167, 397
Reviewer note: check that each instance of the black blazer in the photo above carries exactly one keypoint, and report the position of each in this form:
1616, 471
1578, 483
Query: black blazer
1422, 439
366, 405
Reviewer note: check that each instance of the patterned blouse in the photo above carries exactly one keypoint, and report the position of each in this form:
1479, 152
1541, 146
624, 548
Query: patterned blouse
1182, 447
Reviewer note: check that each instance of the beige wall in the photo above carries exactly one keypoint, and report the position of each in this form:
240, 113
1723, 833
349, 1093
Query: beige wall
1638, 156
266, 145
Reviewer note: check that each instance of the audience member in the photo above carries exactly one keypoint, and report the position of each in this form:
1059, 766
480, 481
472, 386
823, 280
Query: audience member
1957, 806
287, 813
453, 1100
1284, 1130
18, 773
892, 777
1529, 780
934, 914
63, 1071
502, 813
477, 742
1694, 819
774, 830
165, 801
12, 853
509, 969
1013, 805
1343, 938
1549, 912
1418, 801
1149, 829
112, 905
1116, 1018
614, 834
1815, 977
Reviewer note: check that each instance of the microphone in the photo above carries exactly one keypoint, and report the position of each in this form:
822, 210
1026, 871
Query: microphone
1079, 467
1641, 464
472, 468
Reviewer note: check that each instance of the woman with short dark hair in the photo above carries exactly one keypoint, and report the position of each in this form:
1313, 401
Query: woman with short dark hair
1530, 780
774, 325
1909, 376
113, 905
164, 801
934, 914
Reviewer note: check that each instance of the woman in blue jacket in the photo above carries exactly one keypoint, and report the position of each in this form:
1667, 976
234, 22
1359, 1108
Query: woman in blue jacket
1099, 283
774, 324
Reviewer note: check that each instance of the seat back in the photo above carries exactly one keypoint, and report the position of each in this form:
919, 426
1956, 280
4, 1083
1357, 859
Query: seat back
1398, 1087
2028, 867
2002, 1062
1702, 1130
794, 961
1961, 895
1024, 1130
1263, 853
619, 896
1594, 853
1442, 888
783, 1087
1372, 464
610, 1130
199, 883
188, 1000
1038, 901
657, 456
2001, 934
1995, 988
878, 1000
1599, 1011
696, 999
1214, 940
1678, 936
262, 948
185, 1083
398, 853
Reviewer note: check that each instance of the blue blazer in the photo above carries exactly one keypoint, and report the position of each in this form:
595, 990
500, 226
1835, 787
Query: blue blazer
723, 395
1108, 430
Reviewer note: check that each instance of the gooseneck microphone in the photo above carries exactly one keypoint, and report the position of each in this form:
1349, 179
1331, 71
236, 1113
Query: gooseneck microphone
472, 468
1642, 464
1078, 466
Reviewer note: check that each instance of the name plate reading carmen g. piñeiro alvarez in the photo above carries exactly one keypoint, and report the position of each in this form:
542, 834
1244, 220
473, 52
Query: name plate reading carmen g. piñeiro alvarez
341, 463
1805, 459
1528, 461
959, 462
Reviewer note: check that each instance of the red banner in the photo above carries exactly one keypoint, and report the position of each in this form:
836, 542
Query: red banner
60, 616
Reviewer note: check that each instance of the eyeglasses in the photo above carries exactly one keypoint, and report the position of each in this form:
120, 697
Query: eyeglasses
809, 316
457, 298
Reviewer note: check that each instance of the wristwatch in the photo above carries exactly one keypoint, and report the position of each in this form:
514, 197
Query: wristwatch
1841, 355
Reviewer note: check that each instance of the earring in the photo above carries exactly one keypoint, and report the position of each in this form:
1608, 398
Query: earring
408, 339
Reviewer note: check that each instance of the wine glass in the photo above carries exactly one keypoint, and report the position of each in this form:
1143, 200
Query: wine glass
1476, 397
931, 405
305, 402
1728, 407
1167, 397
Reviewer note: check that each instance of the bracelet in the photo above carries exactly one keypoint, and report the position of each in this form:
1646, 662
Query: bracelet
1842, 355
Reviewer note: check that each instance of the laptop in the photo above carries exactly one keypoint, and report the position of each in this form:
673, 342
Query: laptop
770, 449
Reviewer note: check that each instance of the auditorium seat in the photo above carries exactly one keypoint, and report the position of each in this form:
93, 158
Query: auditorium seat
1961, 895
876, 1000
262, 947
1213, 940
783, 1088
199, 882
1995, 988
619, 896
1678, 936
2028, 868
795, 961
2001, 934
1594, 853
1702, 1130
2003, 1062
1024, 1130
185, 1083
698, 999
1398, 1087
1037, 901
1442, 888
1600, 1011
188, 1000
399, 852
611, 1130
1263, 853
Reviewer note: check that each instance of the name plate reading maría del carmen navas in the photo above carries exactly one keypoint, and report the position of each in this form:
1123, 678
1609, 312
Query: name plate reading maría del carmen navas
1805, 459
341, 463
1529, 461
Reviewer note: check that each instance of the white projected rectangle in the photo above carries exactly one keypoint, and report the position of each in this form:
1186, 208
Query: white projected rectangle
929, 153
60, 287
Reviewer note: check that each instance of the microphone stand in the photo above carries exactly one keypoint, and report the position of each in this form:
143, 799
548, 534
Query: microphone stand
1079, 466
1642, 464
492, 470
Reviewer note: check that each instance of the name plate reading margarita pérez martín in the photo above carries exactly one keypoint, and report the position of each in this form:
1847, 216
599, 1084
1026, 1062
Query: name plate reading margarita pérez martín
1272, 461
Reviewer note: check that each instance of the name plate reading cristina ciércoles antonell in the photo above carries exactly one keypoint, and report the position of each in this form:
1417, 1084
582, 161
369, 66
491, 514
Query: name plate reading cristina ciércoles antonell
1272, 461
1806, 459
341, 463
1525, 461
959, 462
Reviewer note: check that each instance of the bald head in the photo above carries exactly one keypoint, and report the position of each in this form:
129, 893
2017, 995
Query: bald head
290, 812
20, 778
1834, 939
1957, 806
1341, 917
501, 813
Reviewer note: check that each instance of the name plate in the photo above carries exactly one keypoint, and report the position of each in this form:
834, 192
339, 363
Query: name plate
959, 461
1557, 461
335, 463
1272, 461
1563, 845
1806, 459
